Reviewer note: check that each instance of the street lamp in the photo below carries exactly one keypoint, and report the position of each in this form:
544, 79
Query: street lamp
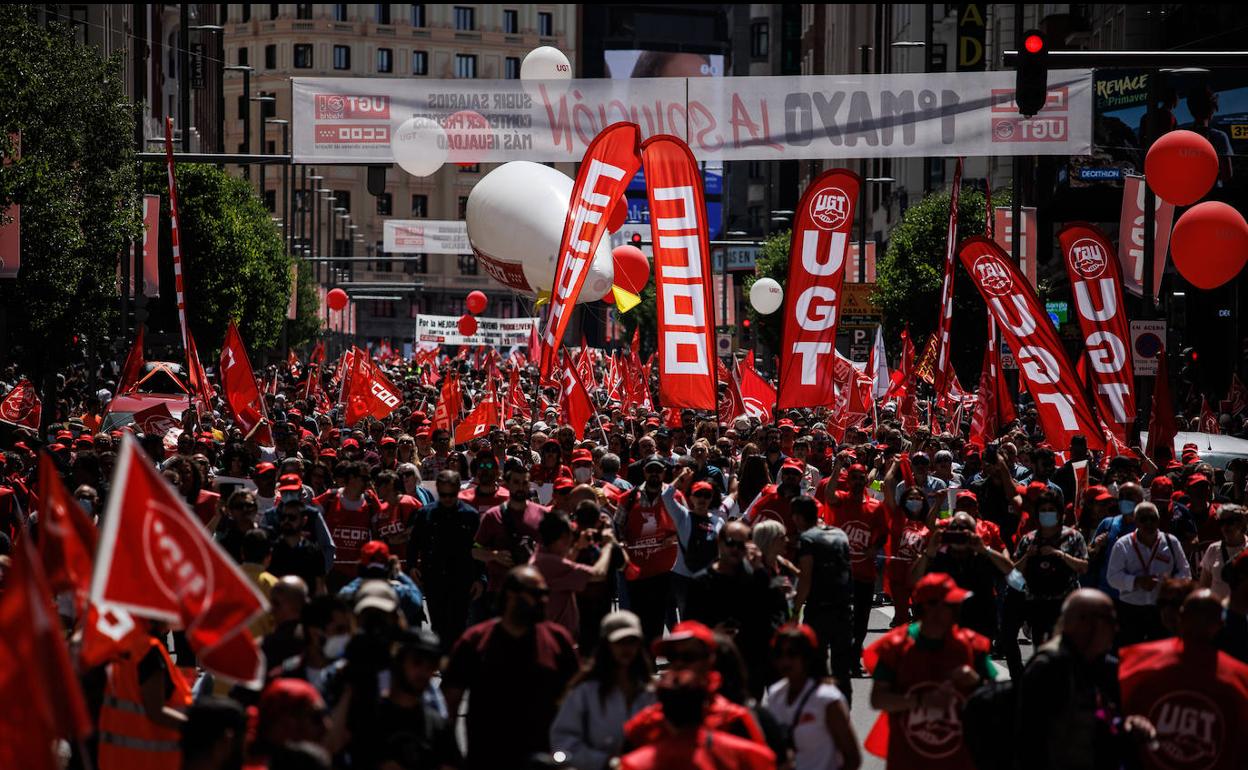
246, 116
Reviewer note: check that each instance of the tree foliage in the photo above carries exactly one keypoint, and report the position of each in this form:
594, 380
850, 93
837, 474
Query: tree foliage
233, 263
74, 181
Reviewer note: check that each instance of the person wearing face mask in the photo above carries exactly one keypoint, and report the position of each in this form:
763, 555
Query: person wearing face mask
440, 558
515, 669
907, 541
582, 466
1109, 531
649, 535
1051, 559
1137, 564
327, 625
486, 492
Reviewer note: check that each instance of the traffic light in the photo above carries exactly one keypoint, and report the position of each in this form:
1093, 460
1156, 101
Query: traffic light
636, 240
1032, 76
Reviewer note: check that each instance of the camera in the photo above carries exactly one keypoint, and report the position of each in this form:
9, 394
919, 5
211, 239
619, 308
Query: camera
955, 537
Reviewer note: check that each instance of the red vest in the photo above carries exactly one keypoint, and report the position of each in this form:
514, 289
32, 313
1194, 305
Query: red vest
649, 535
864, 525
350, 529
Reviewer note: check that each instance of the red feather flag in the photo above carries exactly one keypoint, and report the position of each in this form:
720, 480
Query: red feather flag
133, 368
449, 405
757, 395
1162, 427
479, 421
575, 408
369, 391
21, 406
239, 383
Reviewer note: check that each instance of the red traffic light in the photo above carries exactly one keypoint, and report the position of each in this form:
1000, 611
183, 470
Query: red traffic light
636, 239
1034, 43
745, 323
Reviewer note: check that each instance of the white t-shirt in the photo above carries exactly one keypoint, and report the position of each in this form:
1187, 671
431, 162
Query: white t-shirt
1211, 563
815, 749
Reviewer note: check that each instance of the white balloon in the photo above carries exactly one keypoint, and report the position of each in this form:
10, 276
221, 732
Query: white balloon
419, 146
545, 68
515, 223
766, 296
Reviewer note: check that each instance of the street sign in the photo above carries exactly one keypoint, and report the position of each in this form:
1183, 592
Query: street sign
724, 344
1148, 341
734, 257
857, 309
1007, 357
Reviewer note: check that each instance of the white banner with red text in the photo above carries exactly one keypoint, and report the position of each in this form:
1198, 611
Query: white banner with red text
502, 332
425, 236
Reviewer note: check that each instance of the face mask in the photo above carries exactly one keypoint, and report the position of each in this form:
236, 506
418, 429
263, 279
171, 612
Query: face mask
914, 506
582, 475
335, 646
1048, 519
87, 505
1126, 507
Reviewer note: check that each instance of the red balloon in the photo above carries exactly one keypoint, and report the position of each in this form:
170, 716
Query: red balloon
336, 299
632, 269
467, 325
1210, 244
476, 302
1181, 167
619, 215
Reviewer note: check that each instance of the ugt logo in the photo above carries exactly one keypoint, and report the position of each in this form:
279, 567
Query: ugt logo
993, 276
829, 208
1088, 258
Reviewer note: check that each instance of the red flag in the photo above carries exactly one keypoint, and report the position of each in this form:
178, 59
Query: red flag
575, 408
66, 536
369, 391
903, 377
943, 366
825, 215
757, 395
292, 362
731, 403
1238, 396
535, 344
38, 685
170, 569
1063, 410
312, 382
155, 420
22, 406
1208, 419
447, 411
1162, 427
1096, 279
925, 366
609, 164
197, 378
133, 369
176, 243
239, 383
614, 378
984, 425
584, 366
515, 396
634, 347
479, 421
682, 274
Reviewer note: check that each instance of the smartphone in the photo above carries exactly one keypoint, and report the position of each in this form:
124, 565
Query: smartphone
955, 537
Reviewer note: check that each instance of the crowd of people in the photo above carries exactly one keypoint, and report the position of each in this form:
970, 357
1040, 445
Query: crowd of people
669, 589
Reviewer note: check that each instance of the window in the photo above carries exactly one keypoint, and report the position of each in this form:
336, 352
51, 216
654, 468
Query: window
242, 107
246, 12
303, 11
270, 57
270, 147
420, 206
418, 14
268, 109
511, 68
467, 264
511, 21
383, 308
270, 200
545, 24
340, 11
469, 168
465, 18
383, 13
463, 207
275, 10
342, 199
420, 63
303, 56
342, 57
759, 39
465, 65
416, 264
383, 263
385, 204
244, 53
385, 60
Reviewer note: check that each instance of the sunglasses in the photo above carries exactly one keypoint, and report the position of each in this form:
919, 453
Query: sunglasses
487, 467
289, 517
734, 543
686, 657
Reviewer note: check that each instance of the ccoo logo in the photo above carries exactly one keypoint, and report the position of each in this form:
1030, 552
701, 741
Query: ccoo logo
1087, 258
829, 208
384, 396
993, 276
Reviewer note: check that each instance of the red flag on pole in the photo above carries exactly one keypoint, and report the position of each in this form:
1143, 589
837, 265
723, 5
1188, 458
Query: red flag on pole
479, 421
903, 377
174, 219
943, 364
758, 396
133, 368
170, 569
66, 536
155, 420
197, 378
584, 366
731, 403
369, 391
984, 425
22, 406
574, 405
447, 411
1208, 418
38, 685
239, 383
515, 396
1162, 427
1238, 396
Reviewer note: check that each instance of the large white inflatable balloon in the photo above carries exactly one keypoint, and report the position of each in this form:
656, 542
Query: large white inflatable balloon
547, 66
766, 296
419, 146
515, 222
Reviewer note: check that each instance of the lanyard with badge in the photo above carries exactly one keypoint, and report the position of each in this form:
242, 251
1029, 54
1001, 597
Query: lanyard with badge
1152, 556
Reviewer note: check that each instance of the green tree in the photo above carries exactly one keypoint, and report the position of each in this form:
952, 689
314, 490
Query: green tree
74, 181
234, 266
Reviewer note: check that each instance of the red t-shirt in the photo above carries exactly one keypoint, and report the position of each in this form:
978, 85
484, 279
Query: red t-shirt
704, 750
539, 474
865, 525
481, 502
648, 726
649, 535
493, 533
393, 522
351, 525
906, 542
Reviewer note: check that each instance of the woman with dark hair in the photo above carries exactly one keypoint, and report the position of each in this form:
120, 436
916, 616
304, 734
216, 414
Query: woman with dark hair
734, 684
753, 477
812, 712
191, 483
589, 727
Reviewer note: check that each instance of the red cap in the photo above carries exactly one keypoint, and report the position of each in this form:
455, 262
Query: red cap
687, 630
1196, 478
329, 451
1161, 487
806, 631
85, 438
653, 422
938, 587
265, 468
786, 424
582, 457
1098, 493
423, 433
290, 482
702, 486
793, 464
388, 441
563, 484
1191, 445
286, 695
64, 434
966, 496
1036, 488
57, 447
419, 416
349, 443
374, 552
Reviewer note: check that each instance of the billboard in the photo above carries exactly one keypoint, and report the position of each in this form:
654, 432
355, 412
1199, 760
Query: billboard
426, 236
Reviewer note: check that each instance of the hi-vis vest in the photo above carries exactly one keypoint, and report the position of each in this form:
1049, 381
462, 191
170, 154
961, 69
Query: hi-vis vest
128, 739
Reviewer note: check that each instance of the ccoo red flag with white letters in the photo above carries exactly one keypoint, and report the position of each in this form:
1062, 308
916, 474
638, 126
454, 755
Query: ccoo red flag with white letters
609, 164
943, 367
156, 561
575, 406
682, 274
1042, 362
239, 383
368, 391
812, 300
1096, 281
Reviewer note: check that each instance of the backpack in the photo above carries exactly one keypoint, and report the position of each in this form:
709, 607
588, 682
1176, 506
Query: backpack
988, 725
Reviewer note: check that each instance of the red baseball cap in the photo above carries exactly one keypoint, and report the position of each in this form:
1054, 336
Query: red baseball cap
329, 451
350, 443
388, 441
702, 486
1196, 478
938, 587
686, 631
374, 552
563, 484
786, 424
64, 434
966, 496
1162, 487
264, 469
287, 695
806, 631
582, 457
290, 482
423, 433
794, 465
1098, 493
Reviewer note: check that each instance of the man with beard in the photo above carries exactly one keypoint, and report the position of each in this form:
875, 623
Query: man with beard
439, 558
516, 669
485, 493
507, 534
351, 512
293, 553
648, 533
